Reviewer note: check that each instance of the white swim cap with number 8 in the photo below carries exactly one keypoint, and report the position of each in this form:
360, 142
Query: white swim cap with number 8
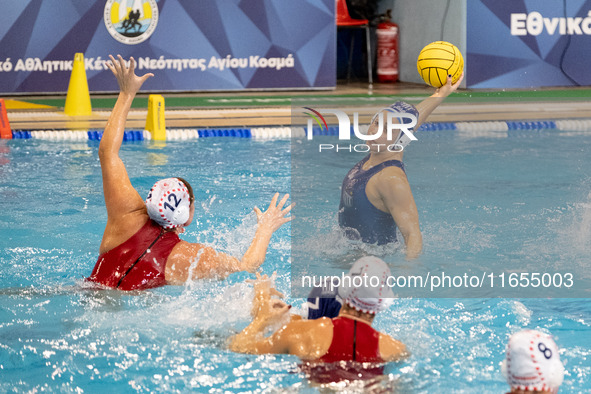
532, 362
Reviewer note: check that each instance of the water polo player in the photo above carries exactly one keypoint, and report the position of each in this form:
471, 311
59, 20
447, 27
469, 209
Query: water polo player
348, 337
141, 248
376, 196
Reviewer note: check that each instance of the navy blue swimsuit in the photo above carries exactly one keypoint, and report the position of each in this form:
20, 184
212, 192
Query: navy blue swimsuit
357, 215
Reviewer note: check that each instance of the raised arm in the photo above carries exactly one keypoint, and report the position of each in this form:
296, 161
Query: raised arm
306, 339
268, 222
427, 106
266, 311
120, 196
217, 264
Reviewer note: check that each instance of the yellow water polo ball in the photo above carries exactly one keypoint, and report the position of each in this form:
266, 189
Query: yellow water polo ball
438, 60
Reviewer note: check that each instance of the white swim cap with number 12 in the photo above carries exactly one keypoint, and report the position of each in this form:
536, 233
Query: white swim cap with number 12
169, 203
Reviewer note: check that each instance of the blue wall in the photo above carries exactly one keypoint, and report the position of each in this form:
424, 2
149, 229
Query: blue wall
191, 44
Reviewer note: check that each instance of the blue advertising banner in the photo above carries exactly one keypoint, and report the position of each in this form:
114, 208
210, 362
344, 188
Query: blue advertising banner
190, 45
528, 43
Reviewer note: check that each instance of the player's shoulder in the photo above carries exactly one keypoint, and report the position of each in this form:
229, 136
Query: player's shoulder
389, 178
392, 171
391, 349
185, 247
321, 322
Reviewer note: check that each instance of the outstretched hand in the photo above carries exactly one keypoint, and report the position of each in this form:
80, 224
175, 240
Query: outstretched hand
449, 88
274, 217
264, 306
128, 81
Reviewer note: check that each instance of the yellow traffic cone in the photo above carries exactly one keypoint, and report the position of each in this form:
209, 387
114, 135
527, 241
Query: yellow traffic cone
78, 97
155, 122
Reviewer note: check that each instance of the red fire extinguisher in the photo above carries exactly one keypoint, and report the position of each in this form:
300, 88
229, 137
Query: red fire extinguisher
387, 33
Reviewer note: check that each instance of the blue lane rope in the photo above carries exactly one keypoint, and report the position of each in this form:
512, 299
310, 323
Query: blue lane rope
533, 125
21, 134
240, 133
130, 135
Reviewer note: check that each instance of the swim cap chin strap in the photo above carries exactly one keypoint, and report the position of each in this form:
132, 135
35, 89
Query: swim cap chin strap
168, 203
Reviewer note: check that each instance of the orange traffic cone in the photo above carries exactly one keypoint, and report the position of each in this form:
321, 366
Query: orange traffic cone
5, 131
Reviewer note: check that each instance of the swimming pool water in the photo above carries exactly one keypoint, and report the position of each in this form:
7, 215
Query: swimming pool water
521, 200
489, 205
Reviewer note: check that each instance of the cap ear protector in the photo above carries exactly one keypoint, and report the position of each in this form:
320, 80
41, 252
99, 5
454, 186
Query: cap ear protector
181, 215
504, 368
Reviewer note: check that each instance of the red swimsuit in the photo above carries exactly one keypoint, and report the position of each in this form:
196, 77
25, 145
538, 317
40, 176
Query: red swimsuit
137, 263
353, 340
